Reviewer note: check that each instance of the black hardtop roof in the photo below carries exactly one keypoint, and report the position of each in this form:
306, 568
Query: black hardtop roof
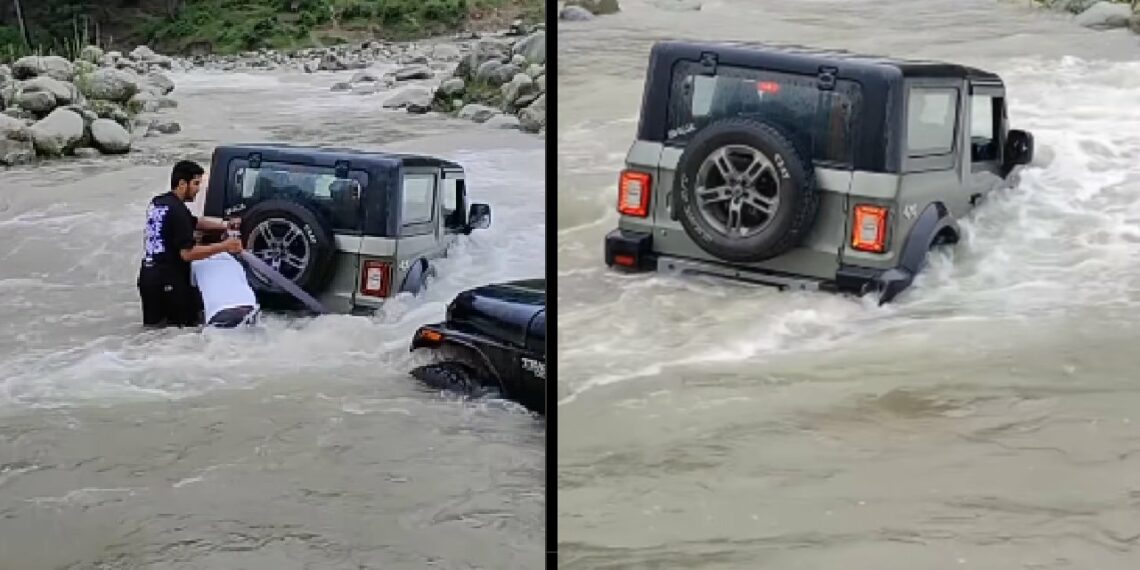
337, 153
810, 58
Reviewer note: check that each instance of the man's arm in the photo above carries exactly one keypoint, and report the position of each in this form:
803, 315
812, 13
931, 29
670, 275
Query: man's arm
203, 251
210, 225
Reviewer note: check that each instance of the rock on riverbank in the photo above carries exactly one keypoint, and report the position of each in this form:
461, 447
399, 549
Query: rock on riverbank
1098, 14
53, 107
496, 79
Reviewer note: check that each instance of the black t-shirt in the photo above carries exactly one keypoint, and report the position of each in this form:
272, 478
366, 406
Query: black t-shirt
169, 230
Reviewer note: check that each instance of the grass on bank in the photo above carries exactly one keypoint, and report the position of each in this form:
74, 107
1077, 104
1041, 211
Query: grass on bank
231, 26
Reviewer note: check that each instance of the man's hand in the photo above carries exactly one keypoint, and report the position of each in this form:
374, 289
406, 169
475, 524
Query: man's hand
232, 245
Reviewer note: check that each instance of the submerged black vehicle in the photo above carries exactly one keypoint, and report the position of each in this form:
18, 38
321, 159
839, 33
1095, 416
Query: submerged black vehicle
493, 338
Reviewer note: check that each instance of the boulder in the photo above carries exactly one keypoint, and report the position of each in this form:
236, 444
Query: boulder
166, 127
487, 71
64, 93
575, 14
18, 113
477, 113
331, 62
142, 53
451, 87
38, 102
16, 152
87, 152
484, 50
341, 86
1105, 15
110, 137
502, 121
109, 84
533, 118
58, 133
158, 83
13, 128
532, 47
414, 72
142, 103
505, 73
597, 7
518, 86
51, 65
412, 95
364, 76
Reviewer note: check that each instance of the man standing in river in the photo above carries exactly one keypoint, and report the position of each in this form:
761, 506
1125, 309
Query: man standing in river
167, 295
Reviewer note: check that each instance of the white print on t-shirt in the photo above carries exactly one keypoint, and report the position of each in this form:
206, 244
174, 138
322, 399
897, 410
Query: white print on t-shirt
155, 218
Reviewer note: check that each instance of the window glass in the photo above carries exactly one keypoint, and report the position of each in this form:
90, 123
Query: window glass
983, 129
339, 198
932, 116
419, 198
819, 120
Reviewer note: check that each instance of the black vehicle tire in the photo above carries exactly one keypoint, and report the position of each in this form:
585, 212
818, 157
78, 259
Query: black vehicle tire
786, 184
453, 377
319, 246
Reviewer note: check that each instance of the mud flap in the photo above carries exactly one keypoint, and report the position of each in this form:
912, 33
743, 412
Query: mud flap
280, 281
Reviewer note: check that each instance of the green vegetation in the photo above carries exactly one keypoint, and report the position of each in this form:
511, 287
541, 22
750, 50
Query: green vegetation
229, 26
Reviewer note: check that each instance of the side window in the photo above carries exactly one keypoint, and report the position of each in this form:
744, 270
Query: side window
338, 198
932, 118
983, 129
419, 198
450, 202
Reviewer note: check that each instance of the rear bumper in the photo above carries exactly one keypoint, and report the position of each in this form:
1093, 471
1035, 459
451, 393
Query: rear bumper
632, 250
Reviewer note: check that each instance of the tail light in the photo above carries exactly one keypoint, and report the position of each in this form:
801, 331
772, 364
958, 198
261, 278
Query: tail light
428, 337
870, 230
375, 278
625, 260
633, 194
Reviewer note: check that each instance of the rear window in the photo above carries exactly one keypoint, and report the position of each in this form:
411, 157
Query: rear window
820, 121
337, 198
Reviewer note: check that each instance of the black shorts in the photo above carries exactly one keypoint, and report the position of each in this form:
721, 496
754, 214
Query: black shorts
168, 299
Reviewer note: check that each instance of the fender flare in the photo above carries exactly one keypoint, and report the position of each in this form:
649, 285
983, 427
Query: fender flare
933, 224
420, 269
465, 347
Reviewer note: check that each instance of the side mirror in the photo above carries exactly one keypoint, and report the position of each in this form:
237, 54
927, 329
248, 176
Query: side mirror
479, 217
1018, 148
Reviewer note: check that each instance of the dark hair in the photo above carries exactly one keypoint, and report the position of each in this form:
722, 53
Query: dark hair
184, 170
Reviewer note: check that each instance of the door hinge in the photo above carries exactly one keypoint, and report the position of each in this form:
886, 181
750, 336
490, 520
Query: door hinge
826, 78
708, 63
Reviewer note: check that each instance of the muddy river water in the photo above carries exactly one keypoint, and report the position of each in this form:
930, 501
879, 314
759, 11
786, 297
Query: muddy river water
988, 419
304, 445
